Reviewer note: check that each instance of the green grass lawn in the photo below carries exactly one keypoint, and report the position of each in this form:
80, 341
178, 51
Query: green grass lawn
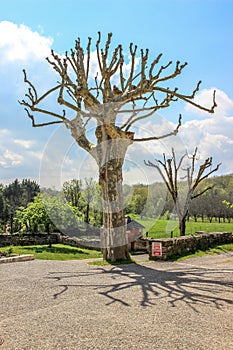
56, 252
163, 228
217, 250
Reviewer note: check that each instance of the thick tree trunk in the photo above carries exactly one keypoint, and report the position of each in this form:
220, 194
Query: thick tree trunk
114, 238
110, 155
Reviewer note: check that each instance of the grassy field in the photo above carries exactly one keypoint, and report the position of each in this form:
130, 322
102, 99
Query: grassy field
163, 228
56, 252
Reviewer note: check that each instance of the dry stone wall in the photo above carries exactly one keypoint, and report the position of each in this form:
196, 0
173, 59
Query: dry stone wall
167, 248
45, 238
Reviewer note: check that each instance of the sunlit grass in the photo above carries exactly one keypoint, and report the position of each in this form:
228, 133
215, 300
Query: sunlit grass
56, 252
164, 228
220, 249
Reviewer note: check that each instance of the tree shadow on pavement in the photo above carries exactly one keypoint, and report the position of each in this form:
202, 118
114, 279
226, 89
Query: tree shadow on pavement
127, 284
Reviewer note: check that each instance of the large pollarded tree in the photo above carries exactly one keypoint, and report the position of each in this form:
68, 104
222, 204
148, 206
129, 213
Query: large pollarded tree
116, 99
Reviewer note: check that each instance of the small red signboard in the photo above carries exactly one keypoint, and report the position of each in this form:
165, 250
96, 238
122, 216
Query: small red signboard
156, 249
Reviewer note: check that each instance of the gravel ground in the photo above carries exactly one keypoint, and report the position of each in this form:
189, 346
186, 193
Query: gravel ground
59, 305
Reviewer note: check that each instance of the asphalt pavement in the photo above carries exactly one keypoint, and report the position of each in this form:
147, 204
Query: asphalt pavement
71, 305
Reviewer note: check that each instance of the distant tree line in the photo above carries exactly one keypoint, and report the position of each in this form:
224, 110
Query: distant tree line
25, 207
155, 201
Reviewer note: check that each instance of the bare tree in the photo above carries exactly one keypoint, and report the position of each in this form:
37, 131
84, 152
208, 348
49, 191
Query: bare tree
115, 110
169, 170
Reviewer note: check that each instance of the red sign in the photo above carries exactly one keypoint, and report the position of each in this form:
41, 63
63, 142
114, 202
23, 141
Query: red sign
156, 249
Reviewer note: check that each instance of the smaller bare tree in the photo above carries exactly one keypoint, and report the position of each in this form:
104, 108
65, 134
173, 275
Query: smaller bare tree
169, 169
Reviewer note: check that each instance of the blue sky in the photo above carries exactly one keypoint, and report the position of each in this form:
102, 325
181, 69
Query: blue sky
199, 32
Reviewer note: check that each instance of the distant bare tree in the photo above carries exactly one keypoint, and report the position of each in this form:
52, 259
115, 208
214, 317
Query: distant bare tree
169, 170
115, 108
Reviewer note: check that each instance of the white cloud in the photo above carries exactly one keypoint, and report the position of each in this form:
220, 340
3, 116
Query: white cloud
12, 158
205, 98
213, 135
19, 158
20, 43
21, 48
24, 143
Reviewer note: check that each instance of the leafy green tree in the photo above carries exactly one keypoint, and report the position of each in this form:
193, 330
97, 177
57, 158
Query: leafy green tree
73, 193
93, 204
29, 190
34, 217
137, 203
4, 213
65, 217
15, 195
47, 214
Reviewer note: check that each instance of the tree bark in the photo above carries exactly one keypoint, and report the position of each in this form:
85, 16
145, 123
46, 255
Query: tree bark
114, 238
110, 154
182, 226
87, 220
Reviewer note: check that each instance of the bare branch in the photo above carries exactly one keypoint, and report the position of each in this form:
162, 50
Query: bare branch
156, 61
188, 99
172, 133
142, 88
98, 51
149, 163
202, 192
88, 57
29, 83
200, 177
35, 125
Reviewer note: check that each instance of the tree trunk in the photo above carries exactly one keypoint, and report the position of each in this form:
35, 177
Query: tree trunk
87, 220
110, 154
114, 238
182, 226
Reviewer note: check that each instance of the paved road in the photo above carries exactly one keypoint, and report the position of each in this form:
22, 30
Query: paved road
70, 305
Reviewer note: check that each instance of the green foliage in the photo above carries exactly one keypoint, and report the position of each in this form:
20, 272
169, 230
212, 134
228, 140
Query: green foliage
33, 217
6, 252
18, 213
156, 201
12, 197
86, 197
93, 198
228, 204
136, 203
72, 191
47, 213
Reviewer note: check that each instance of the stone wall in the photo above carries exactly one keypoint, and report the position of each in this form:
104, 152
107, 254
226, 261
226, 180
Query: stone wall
81, 243
25, 239
171, 247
